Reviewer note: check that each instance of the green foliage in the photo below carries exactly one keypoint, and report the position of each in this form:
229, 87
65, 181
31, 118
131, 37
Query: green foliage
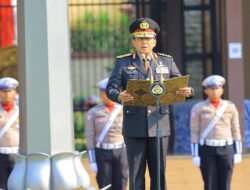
79, 126
80, 144
101, 34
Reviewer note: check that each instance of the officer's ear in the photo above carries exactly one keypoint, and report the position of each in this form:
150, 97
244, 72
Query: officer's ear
133, 42
205, 91
155, 42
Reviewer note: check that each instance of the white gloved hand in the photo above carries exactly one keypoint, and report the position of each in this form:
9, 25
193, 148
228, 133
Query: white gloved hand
196, 160
93, 167
237, 158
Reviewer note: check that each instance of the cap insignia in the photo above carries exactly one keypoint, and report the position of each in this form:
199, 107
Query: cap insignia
144, 25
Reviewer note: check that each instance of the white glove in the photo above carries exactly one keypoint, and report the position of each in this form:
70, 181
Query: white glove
196, 160
93, 167
237, 158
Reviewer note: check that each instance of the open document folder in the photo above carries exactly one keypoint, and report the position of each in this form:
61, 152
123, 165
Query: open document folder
139, 89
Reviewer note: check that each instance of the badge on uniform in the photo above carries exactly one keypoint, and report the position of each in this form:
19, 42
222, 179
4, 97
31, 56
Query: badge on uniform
88, 117
131, 68
101, 120
192, 114
205, 115
163, 70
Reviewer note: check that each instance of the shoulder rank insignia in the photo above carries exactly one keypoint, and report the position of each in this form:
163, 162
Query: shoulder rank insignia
163, 54
125, 55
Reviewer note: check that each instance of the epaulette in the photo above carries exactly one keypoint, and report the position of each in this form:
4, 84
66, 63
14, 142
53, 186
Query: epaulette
163, 54
124, 55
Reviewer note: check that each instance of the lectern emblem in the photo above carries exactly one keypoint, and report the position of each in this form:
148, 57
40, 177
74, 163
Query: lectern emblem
157, 90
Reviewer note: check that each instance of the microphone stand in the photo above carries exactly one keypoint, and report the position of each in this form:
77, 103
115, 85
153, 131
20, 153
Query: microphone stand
158, 131
157, 89
158, 144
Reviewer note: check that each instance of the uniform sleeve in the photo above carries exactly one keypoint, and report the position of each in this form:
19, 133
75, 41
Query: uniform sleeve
235, 124
90, 130
176, 73
115, 82
195, 125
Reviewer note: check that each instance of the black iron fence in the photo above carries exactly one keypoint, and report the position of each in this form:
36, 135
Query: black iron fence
99, 32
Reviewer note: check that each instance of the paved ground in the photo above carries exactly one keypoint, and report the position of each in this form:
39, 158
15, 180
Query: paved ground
181, 174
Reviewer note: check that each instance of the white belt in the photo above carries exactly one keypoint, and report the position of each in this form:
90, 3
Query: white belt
112, 145
9, 150
215, 142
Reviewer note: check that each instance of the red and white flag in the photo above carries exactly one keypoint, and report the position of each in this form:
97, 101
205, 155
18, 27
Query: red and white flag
8, 25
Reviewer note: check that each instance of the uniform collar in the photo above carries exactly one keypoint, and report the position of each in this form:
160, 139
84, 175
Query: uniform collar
136, 61
8, 107
148, 58
209, 103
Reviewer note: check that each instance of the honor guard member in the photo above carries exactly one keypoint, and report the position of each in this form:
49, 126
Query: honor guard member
139, 123
9, 128
105, 143
215, 136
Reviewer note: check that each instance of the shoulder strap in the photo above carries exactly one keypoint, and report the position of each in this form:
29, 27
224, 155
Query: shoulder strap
215, 119
108, 125
9, 123
125, 55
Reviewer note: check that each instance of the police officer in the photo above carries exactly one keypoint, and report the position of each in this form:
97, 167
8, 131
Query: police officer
215, 136
139, 124
9, 128
105, 143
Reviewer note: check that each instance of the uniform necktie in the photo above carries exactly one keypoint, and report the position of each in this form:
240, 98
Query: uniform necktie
146, 64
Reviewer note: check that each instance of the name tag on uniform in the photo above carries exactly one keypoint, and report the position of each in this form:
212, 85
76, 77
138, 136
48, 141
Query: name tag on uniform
164, 70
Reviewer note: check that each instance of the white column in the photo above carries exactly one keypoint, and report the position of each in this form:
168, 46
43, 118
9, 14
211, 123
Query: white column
44, 75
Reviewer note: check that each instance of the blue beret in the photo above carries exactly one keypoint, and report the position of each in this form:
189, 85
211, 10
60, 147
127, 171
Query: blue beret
8, 83
102, 84
213, 81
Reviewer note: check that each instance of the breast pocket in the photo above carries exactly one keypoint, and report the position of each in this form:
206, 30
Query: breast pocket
206, 114
100, 120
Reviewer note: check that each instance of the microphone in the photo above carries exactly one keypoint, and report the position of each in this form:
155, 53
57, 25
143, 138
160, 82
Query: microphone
146, 61
161, 77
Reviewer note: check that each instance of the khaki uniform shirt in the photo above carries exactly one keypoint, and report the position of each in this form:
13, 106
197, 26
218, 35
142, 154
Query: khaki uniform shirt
227, 127
97, 118
11, 137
